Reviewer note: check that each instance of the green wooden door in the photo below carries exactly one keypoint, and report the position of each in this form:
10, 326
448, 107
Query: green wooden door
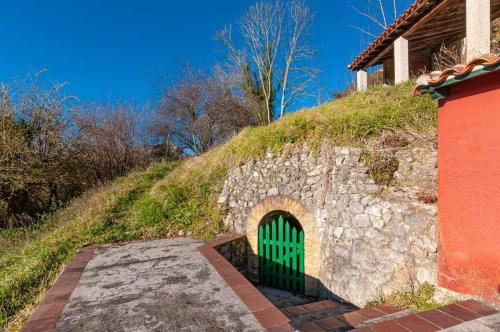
281, 255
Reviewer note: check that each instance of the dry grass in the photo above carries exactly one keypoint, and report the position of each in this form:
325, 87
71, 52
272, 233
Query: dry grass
427, 197
419, 299
381, 167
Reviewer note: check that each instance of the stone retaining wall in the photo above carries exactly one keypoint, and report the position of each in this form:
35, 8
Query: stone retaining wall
374, 239
235, 252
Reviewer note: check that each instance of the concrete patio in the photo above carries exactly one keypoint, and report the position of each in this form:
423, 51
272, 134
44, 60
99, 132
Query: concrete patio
163, 285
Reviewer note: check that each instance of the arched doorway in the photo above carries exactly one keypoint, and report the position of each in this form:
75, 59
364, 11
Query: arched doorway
281, 252
312, 254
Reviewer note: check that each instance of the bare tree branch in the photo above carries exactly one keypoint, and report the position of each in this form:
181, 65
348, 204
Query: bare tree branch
382, 12
262, 28
298, 49
371, 17
395, 10
362, 30
377, 14
200, 111
275, 42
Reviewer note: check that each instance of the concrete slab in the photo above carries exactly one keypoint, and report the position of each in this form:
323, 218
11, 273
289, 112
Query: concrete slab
163, 285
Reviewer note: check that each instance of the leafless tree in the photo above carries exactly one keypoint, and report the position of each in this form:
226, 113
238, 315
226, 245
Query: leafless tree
51, 149
297, 78
275, 49
109, 139
33, 146
263, 28
200, 111
242, 80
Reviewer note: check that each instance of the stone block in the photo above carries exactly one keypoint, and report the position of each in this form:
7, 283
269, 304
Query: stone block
361, 220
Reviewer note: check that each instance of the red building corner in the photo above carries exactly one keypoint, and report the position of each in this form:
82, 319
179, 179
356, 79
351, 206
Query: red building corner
469, 177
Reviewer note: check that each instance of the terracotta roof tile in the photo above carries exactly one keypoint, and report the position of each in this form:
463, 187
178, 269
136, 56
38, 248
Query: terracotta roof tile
408, 17
436, 78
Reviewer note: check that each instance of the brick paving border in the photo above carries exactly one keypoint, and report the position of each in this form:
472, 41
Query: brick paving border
47, 313
435, 319
270, 317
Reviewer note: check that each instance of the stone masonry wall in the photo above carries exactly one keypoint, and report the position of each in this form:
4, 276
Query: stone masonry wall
235, 252
373, 239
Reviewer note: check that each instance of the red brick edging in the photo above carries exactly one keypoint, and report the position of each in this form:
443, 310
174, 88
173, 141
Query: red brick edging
435, 319
47, 313
270, 317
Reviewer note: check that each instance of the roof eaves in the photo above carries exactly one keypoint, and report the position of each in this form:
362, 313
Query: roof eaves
392, 32
433, 82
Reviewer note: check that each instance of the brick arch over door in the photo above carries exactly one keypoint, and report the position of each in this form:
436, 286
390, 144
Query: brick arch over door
311, 237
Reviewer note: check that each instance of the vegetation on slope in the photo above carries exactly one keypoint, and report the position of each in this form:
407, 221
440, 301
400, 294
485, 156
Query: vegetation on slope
30, 259
189, 193
168, 198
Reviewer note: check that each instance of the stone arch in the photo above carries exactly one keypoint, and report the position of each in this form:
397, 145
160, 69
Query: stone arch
311, 237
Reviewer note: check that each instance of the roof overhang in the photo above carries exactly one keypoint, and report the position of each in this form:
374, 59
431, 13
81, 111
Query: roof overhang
425, 24
436, 83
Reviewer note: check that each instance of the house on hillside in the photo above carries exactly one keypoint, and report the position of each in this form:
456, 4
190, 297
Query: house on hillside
427, 33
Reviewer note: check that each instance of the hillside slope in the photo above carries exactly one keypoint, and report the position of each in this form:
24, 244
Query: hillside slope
170, 199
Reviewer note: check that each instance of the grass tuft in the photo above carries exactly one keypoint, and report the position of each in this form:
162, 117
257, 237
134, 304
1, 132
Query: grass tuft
381, 167
419, 299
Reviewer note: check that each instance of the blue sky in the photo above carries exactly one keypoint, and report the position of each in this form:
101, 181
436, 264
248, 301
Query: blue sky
109, 49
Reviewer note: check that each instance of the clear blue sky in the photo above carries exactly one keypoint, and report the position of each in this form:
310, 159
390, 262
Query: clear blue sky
108, 49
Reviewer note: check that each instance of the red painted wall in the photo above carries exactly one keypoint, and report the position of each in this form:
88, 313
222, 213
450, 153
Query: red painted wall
469, 187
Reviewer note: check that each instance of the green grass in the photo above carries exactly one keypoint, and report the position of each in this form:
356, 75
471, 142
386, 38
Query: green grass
419, 299
350, 121
169, 197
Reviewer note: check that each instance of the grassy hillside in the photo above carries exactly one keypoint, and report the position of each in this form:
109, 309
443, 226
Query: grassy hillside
171, 197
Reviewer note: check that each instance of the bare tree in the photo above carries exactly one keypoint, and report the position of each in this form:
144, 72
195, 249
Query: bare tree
239, 75
109, 140
297, 50
379, 14
52, 150
263, 27
33, 147
199, 112
275, 47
